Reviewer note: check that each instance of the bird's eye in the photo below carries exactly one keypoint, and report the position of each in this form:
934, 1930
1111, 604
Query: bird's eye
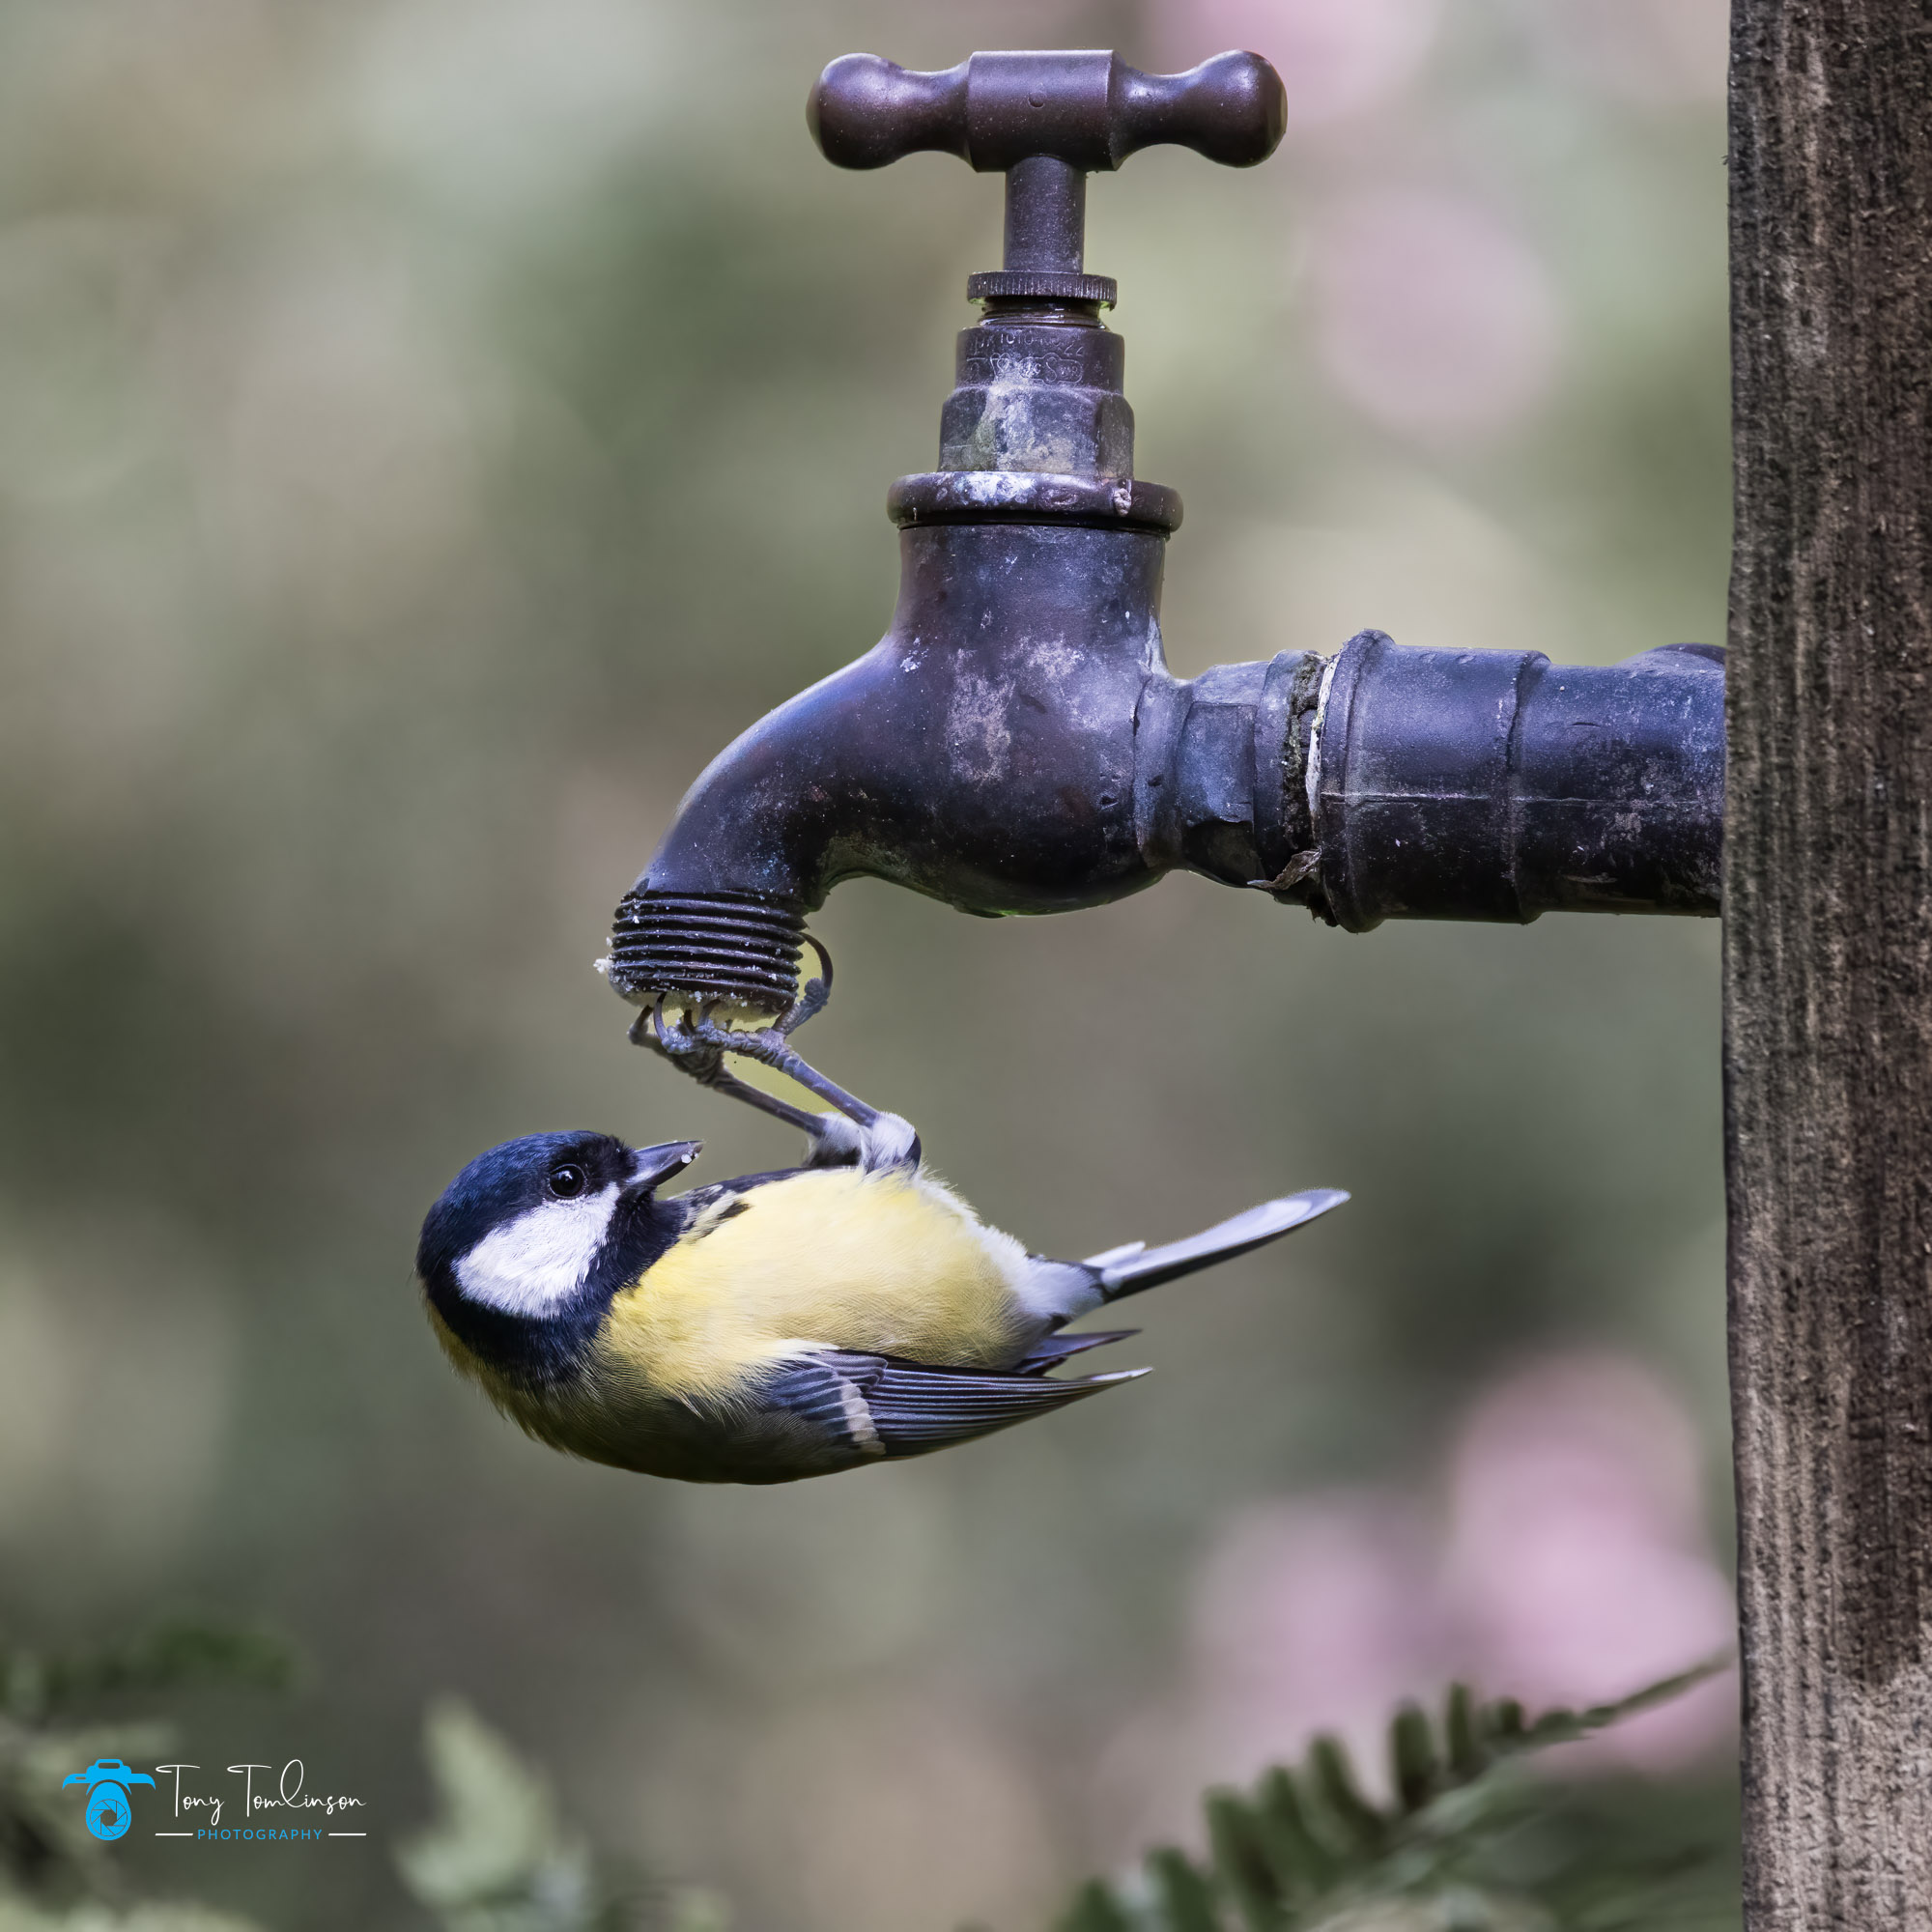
567, 1180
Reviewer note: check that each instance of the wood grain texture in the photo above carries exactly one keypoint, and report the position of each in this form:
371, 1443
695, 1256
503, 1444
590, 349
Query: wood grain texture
1829, 955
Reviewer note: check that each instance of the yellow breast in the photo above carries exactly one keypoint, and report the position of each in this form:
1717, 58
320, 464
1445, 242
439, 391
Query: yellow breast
888, 1264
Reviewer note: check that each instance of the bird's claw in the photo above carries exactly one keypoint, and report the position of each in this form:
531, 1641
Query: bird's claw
813, 997
676, 1042
693, 1041
697, 1042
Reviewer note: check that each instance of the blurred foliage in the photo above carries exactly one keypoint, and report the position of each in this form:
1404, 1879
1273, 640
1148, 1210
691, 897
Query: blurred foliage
168, 1655
53, 1871
1469, 1842
498, 1859
18, 1916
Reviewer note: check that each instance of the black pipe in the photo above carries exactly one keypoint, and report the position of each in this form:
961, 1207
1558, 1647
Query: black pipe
1495, 785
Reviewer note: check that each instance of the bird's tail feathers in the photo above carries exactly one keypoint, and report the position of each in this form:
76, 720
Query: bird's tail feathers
1126, 1270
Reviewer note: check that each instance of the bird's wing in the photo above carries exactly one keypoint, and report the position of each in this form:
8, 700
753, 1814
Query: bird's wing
707, 1209
700, 1203
1056, 1349
882, 1406
696, 1200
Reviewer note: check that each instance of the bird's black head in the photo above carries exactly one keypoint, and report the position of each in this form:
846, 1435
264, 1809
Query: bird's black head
529, 1243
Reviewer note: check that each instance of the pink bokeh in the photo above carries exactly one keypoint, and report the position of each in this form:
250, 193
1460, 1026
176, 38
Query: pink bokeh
1577, 1566
1432, 315
1323, 1607
1566, 1562
1337, 58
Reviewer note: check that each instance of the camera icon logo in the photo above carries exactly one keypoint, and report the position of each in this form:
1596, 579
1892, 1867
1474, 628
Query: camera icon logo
109, 1810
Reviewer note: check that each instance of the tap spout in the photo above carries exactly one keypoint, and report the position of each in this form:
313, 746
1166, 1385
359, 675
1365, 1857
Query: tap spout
982, 752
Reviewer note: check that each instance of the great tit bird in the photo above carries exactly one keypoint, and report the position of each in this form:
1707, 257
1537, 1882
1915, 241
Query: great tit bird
850, 1311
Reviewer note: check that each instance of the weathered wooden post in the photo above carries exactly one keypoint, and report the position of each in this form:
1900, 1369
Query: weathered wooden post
1829, 955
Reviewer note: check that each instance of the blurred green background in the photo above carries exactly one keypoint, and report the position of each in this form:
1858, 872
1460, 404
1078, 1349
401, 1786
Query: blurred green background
402, 404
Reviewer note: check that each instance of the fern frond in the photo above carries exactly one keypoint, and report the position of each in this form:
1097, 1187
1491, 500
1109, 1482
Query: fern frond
1308, 1849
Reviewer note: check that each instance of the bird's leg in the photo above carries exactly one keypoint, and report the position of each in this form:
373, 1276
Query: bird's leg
698, 1043
774, 1050
856, 1134
704, 1061
770, 1048
873, 1140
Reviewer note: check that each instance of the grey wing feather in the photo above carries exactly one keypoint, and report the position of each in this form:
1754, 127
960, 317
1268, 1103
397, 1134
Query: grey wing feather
811, 1418
919, 1409
1056, 1349
909, 1408
819, 1390
1128, 1270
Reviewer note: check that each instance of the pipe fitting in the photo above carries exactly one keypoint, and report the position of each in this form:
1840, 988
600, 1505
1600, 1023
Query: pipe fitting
1497, 785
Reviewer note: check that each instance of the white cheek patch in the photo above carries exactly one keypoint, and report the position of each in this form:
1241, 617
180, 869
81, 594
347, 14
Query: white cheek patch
533, 1265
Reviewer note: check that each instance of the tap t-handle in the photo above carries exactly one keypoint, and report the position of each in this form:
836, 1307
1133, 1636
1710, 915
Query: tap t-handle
1046, 120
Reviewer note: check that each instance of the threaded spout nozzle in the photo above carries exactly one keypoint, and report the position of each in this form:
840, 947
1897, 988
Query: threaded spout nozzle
739, 950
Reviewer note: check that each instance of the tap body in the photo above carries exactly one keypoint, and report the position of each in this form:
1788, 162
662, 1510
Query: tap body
982, 752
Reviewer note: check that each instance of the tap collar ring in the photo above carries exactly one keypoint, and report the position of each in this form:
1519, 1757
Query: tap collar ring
1031, 496
1041, 285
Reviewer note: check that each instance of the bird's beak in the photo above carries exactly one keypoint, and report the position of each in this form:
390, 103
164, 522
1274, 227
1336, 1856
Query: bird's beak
652, 1165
